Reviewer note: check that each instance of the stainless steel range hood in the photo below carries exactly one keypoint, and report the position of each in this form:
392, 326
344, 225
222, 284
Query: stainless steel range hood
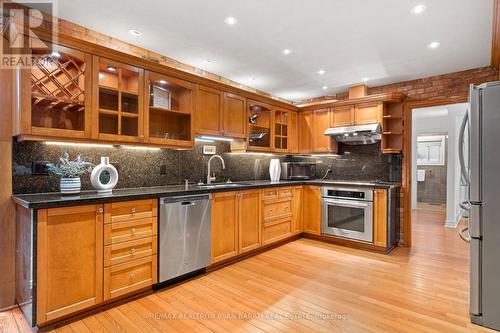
355, 135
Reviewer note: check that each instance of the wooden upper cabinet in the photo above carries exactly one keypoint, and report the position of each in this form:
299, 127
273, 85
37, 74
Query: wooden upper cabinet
117, 99
311, 214
69, 260
234, 116
224, 226
169, 110
293, 132
342, 116
281, 138
249, 225
321, 142
55, 95
305, 132
208, 111
368, 113
259, 126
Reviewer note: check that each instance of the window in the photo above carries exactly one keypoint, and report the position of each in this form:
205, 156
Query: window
431, 150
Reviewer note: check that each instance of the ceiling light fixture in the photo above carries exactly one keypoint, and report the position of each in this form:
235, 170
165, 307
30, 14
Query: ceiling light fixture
321, 72
325, 87
230, 20
434, 45
286, 51
55, 54
365, 79
418, 9
111, 68
162, 82
136, 33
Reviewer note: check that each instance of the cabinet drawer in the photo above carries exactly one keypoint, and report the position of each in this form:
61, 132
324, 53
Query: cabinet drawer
286, 192
270, 194
130, 210
131, 276
127, 251
130, 230
277, 210
276, 231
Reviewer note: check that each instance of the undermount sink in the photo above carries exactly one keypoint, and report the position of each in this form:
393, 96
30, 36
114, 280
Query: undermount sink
220, 185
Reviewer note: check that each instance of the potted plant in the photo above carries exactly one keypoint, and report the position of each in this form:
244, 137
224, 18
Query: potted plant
70, 172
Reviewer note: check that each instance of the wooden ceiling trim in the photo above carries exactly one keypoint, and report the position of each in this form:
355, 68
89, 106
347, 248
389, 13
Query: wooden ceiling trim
385, 97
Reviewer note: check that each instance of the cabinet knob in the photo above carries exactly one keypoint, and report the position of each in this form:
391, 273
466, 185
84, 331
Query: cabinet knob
141, 138
100, 210
132, 276
133, 210
132, 251
132, 231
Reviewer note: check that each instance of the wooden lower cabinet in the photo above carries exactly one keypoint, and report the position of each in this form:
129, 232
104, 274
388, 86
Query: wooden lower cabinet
92, 253
224, 226
297, 209
69, 260
311, 215
380, 217
249, 221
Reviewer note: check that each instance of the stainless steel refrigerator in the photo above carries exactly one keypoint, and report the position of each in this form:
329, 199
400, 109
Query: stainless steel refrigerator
481, 169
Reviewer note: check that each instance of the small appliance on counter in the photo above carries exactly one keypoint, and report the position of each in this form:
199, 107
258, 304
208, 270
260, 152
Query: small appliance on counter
298, 170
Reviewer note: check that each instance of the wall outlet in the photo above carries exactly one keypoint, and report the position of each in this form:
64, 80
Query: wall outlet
209, 150
39, 168
163, 169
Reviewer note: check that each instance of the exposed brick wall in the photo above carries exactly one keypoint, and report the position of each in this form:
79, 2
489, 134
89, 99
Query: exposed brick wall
438, 86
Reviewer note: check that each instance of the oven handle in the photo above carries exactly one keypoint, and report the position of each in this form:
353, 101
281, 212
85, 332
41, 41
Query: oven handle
349, 203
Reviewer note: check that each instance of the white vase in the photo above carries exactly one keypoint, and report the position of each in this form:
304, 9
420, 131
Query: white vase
275, 170
70, 185
95, 177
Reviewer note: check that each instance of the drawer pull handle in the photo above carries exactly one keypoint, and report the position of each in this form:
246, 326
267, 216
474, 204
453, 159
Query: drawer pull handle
132, 231
133, 210
132, 251
132, 276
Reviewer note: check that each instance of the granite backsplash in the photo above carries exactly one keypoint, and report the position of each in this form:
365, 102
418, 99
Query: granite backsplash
144, 168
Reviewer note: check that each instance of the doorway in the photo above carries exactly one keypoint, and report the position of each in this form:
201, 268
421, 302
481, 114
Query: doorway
437, 188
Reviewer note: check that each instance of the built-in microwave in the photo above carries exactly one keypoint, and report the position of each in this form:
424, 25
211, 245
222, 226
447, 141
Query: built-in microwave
298, 170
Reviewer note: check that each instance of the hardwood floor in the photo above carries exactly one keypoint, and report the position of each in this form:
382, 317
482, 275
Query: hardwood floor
310, 286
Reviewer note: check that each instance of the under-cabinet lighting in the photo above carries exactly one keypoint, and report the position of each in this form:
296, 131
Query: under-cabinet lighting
203, 140
215, 138
324, 155
111, 68
86, 145
140, 148
251, 153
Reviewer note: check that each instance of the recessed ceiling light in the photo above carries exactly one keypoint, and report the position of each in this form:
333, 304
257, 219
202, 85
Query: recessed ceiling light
135, 32
55, 54
321, 72
324, 87
418, 9
230, 20
434, 45
162, 81
208, 61
111, 68
286, 51
365, 79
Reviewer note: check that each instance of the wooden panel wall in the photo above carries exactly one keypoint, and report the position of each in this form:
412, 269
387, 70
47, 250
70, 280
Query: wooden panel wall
7, 214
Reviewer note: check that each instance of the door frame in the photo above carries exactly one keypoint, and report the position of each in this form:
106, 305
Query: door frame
409, 106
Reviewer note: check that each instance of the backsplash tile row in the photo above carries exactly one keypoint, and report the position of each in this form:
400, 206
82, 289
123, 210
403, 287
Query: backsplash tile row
141, 168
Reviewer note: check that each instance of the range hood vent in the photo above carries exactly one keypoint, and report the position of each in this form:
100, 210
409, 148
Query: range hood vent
356, 135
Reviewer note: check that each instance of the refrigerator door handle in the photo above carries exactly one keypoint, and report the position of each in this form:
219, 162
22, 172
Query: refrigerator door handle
465, 235
461, 142
475, 277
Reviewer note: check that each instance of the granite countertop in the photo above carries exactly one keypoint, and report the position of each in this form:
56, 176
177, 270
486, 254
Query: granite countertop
55, 199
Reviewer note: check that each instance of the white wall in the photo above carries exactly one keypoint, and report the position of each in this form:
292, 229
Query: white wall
441, 120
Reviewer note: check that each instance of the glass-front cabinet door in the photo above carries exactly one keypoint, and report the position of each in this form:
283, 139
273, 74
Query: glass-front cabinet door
118, 101
169, 110
59, 103
259, 126
281, 130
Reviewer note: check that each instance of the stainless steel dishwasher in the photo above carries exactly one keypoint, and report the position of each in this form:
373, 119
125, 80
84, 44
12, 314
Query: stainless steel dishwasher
185, 235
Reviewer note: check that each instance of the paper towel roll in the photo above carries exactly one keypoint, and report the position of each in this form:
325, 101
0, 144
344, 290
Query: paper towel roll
421, 175
275, 170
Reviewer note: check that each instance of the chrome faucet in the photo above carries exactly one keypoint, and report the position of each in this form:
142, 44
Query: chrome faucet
210, 178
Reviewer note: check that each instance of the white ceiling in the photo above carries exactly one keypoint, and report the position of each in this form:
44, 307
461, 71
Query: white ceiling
381, 40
